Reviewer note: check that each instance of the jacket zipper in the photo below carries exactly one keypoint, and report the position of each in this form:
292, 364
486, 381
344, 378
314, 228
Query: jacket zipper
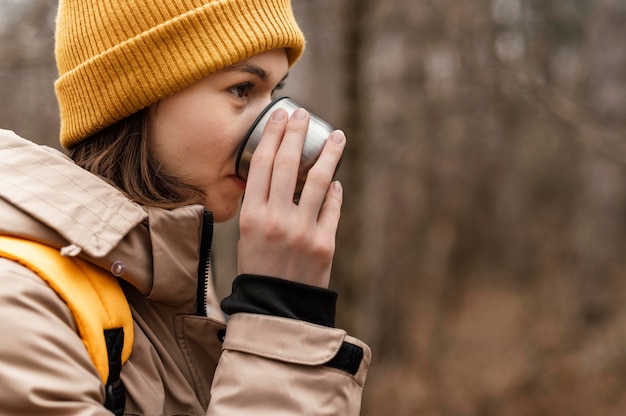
204, 263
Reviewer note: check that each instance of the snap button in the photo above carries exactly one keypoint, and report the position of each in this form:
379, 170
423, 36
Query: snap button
118, 268
71, 251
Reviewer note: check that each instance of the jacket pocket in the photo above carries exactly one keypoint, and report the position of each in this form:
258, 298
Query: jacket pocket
198, 339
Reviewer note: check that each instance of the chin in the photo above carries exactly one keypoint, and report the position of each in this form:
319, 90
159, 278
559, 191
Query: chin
217, 218
225, 213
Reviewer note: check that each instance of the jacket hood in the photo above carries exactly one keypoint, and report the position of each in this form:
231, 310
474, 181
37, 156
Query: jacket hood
46, 197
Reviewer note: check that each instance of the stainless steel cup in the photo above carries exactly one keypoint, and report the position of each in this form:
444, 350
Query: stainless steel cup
316, 137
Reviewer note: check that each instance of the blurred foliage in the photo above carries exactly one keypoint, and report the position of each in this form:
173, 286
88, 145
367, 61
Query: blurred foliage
28, 70
480, 249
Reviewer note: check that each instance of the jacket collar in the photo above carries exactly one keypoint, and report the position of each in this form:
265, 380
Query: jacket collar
62, 205
52, 189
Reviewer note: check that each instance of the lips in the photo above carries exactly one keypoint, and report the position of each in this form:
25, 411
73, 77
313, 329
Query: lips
238, 181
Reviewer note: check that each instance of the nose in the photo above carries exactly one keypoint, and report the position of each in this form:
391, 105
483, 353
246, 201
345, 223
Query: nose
255, 110
264, 103
269, 98
261, 107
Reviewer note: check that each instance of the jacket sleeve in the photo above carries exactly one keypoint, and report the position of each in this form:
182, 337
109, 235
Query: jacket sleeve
284, 365
44, 366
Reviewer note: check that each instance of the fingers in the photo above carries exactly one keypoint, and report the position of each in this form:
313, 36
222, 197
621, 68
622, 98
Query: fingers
321, 174
274, 167
287, 161
274, 164
262, 162
277, 237
330, 212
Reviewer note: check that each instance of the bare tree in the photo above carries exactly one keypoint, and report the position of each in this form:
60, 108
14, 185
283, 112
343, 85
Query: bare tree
480, 248
27, 70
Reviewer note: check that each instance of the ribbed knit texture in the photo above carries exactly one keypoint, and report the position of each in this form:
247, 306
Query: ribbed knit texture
116, 57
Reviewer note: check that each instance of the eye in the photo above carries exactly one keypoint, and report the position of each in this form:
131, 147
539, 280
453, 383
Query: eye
242, 91
277, 88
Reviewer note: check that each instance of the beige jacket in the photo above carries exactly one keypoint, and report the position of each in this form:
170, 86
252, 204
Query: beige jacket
179, 366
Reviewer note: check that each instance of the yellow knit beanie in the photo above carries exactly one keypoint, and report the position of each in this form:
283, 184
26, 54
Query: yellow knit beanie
116, 57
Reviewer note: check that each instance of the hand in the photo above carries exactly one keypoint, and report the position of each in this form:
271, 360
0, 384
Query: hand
277, 237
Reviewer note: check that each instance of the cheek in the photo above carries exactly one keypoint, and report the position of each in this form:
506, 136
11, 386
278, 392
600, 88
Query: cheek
178, 136
225, 136
198, 146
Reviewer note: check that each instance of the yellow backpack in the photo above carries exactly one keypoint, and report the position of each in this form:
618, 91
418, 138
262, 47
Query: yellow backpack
96, 300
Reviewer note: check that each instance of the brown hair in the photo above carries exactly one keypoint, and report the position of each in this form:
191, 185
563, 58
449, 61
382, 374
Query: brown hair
121, 154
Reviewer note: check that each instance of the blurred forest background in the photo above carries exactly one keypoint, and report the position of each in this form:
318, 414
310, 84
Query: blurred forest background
480, 252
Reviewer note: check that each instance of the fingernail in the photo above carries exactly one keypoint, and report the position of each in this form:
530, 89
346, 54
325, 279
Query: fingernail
337, 186
337, 136
279, 115
299, 114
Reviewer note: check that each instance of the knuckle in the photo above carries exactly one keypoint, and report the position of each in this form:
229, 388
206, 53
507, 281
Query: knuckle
299, 239
247, 222
283, 161
318, 176
274, 126
262, 158
333, 202
298, 126
273, 228
323, 249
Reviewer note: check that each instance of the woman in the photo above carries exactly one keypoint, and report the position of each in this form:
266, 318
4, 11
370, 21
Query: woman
155, 98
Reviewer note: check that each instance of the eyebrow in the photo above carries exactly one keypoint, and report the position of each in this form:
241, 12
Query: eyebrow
252, 69
247, 67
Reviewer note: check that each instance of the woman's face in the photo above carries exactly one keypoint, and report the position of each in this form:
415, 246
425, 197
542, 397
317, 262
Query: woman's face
196, 133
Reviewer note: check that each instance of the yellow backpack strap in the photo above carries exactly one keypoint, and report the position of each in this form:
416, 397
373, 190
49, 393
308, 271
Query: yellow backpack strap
96, 300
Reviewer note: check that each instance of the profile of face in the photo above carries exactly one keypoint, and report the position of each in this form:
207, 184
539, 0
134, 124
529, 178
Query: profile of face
196, 132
